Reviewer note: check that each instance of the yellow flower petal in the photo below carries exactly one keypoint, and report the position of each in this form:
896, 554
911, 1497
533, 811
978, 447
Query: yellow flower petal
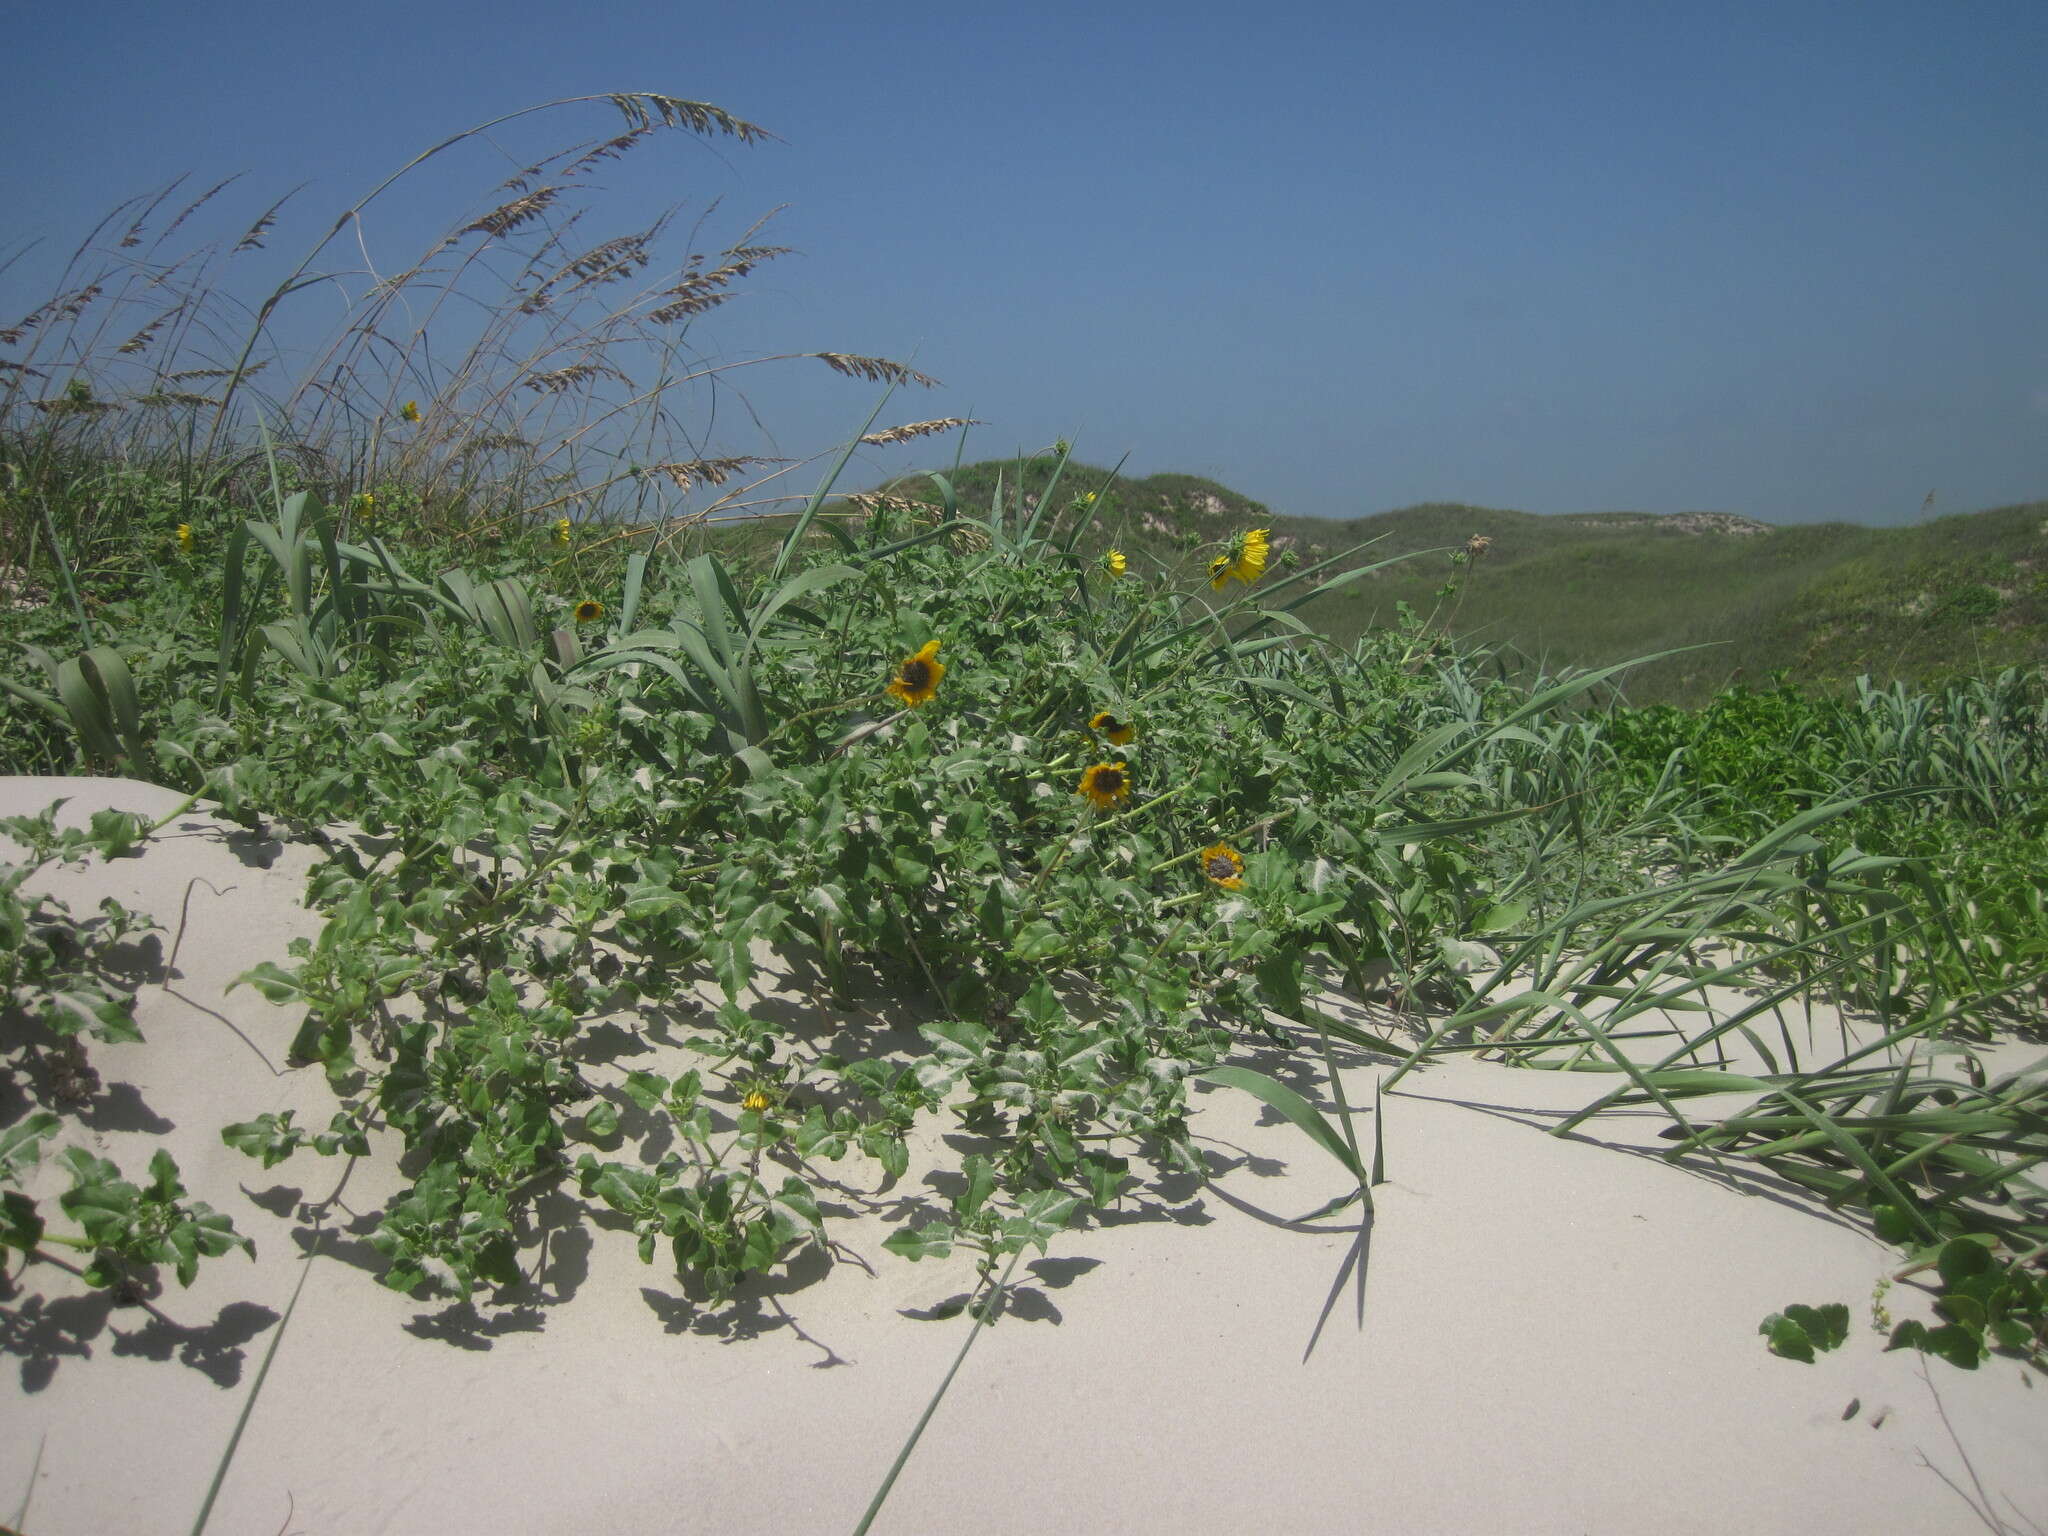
1106, 785
1223, 865
1120, 732
917, 679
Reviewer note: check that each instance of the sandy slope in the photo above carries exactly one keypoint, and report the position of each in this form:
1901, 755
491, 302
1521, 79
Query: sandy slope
1559, 1334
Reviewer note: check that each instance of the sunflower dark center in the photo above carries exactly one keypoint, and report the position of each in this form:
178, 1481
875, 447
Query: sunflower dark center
1222, 867
916, 673
1110, 723
1108, 781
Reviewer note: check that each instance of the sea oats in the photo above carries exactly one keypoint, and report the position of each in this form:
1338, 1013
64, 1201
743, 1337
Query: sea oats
198, 203
913, 429
142, 338
692, 472
611, 149
555, 380
642, 108
876, 370
507, 217
253, 240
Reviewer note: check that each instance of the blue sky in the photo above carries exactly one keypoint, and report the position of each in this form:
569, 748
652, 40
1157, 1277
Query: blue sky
1780, 259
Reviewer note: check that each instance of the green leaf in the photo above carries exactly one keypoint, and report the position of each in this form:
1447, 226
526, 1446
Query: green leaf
272, 980
1786, 1338
981, 1183
20, 1225
21, 1145
1290, 1104
270, 1137
956, 1039
1963, 1309
1039, 940
888, 1149
1041, 1215
795, 1210
1961, 1258
1279, 976
1104, 1175
645, 1089
163, 1173
1956, 1345
1826, 1326
1060, 1149
816, 1136
933, 1240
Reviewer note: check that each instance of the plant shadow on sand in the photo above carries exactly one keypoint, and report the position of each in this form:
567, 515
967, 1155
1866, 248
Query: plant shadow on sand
44, 1331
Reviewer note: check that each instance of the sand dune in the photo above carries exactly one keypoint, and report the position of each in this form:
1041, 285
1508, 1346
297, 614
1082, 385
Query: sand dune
1559, 1334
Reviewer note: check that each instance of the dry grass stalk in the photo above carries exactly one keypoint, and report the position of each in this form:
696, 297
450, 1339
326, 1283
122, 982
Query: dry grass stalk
73, 307
742, 259
196, 204
494, 442
253, 240
642, 108
876, 370
611, 261
133, 237
915, 429
142, 338
698, 291
63, 307
554, 381
870, 502
683, 308
507, 217
695, 472
185, 376
611, 149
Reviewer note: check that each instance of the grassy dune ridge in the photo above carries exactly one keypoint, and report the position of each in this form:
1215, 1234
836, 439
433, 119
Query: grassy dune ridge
1825, 601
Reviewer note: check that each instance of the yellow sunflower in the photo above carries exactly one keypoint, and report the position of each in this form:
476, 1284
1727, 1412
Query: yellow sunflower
1224, 865
411, 411
756, 1100
1244, 561
1118, 731
184, 538
589, 611
562, 531
1116, 562
917, 679
366, 505
1106, 785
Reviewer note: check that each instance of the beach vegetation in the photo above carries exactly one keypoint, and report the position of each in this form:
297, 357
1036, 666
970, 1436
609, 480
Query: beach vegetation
585, 732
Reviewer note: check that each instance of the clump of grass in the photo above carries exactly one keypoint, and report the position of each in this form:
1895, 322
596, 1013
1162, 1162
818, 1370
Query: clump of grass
134, 393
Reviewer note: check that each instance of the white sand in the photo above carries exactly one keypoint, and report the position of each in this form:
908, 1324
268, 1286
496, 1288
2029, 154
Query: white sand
1559, 1335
